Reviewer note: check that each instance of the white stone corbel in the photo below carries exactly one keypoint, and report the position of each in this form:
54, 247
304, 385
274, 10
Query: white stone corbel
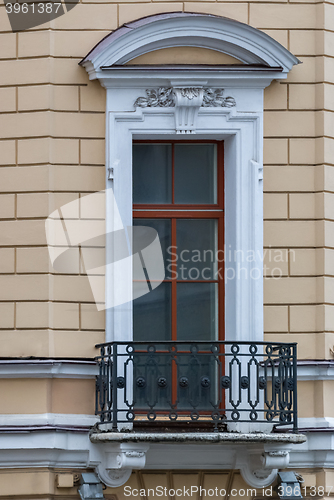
260, 469
115, 462
278, 459
113, 477
188, 101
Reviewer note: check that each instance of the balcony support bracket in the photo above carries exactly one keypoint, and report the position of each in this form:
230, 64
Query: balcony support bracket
115, 462
260, 468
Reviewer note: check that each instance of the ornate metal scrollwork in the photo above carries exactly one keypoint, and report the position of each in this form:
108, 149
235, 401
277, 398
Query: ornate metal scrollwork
235, 382
262, 383
120, 382
225, 382
205, 382
141, 382
244, 382
162, 382
184, 382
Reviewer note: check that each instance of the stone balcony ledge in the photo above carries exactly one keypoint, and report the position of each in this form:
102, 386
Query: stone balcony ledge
195, 437
258, 455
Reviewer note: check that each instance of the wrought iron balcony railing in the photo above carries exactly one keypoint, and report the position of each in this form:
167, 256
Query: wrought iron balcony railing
200, 382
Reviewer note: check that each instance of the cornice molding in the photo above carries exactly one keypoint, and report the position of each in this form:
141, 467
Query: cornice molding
217, 77
74, 368
73, 449
48, 368
47, 421
315, 370
66, 421
177, 29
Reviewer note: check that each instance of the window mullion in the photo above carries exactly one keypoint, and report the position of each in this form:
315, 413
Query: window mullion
174, 284
173, 176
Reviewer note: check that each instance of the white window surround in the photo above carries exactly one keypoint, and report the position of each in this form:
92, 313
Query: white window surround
240, 126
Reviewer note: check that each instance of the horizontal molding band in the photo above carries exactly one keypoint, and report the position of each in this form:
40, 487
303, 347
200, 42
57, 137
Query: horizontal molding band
48, 368
71, 421
319, 424
54, 448
46, 421
315, 370
74, 368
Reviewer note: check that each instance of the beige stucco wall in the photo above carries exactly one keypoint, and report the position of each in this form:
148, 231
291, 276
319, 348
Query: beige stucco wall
77, 396
38, 396
18, 484
22, 484
52, 152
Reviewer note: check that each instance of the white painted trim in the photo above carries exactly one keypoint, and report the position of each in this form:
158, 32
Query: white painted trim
47, 420
316, 423
249, 45
48, 368
242, 130
74, 420
54, 368
163, 76
44, 449
318, 451
315, 370
74, 450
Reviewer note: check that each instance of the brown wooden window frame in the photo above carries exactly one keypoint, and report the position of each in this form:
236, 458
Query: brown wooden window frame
174, 211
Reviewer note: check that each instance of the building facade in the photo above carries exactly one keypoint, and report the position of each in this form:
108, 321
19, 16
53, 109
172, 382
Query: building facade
211, 123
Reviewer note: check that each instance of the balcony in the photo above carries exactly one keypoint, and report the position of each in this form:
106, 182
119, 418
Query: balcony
178, 404
197, 386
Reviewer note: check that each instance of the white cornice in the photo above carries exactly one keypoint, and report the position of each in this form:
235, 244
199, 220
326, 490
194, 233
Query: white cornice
315, 370
190, 76
47, 368
29, 422
249, 45
62, 368
59, 440
316, 424
56, 448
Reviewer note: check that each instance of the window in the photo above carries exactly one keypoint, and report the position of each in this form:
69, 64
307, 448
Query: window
156, 103
212, 104
178, 191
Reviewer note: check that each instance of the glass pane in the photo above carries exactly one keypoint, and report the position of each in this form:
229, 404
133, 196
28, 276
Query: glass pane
152, 315
197, 311
163, 228
195, 173
152, 173
196, 241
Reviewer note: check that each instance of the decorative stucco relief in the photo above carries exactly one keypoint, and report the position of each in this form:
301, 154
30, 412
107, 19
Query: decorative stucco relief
164, 97
187, 101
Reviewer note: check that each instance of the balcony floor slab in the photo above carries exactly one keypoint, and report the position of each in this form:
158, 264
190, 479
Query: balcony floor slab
195, 437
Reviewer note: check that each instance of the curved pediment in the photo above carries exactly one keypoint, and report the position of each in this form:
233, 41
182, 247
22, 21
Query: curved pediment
184, 55
205, 31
